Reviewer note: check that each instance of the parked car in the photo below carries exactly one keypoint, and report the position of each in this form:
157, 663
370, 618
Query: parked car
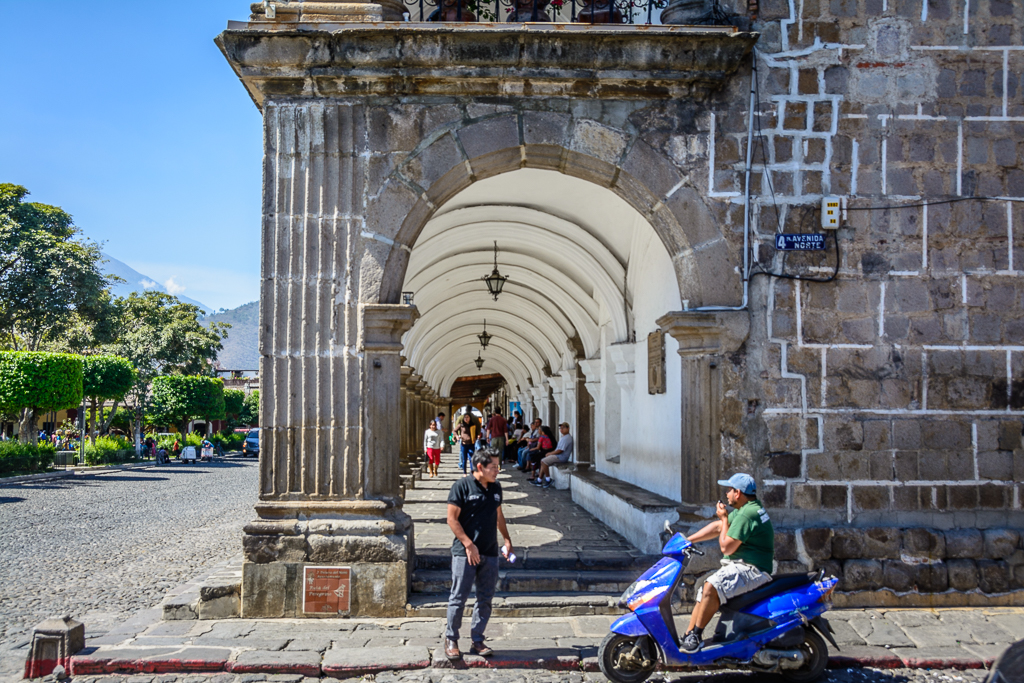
251, 445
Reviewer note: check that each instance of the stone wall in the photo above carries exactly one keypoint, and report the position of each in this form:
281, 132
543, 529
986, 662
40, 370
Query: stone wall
893, 395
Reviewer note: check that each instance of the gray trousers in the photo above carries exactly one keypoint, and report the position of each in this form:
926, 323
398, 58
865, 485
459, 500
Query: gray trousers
464, 576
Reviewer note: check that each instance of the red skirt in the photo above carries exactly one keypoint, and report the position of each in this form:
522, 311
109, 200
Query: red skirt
434, 456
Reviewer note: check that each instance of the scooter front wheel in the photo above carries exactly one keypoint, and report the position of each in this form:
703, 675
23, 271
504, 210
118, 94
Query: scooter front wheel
618, 660
815, 659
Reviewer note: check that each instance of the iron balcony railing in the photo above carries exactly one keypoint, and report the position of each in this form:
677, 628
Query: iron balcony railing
570, 11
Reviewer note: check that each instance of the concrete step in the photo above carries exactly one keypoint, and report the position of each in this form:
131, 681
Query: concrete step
553, 559
551, 604
515, 581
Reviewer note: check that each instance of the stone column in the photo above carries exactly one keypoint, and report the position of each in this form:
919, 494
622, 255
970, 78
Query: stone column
539, 396
703, 338
568, 411
406, 423
553, 385
591, 377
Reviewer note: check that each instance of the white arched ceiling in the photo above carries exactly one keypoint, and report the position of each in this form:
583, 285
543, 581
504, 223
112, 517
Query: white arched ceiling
566, 245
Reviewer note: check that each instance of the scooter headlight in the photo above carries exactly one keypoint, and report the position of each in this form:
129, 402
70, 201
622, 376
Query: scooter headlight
627, 594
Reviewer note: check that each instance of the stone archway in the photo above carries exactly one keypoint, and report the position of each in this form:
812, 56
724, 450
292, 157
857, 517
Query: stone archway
361, 147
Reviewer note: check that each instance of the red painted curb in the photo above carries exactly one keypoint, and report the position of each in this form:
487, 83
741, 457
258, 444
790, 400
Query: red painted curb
943, 662
840, 661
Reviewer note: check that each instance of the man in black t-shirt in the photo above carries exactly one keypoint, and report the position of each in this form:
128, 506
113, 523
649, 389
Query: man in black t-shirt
475, 517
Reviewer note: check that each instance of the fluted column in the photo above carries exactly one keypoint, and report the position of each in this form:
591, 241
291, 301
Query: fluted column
329, 378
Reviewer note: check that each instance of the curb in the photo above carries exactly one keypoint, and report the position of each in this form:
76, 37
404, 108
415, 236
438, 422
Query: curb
36, 477
198, 659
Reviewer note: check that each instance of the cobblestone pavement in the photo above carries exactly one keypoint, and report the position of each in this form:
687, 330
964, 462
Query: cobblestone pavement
528, 676
102, 547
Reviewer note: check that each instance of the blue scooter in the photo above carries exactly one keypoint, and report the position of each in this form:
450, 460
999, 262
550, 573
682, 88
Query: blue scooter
777, 628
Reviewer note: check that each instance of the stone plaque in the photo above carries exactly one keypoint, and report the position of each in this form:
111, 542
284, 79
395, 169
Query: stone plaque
325, 590
656, 362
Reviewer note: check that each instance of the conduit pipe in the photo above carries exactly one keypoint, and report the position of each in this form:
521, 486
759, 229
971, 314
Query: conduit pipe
746, 195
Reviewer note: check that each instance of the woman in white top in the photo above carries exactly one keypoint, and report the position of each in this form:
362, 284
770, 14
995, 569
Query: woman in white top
432, 447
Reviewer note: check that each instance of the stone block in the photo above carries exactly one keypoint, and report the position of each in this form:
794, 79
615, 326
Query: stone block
263, 590
932, 578
223, 607
345, 549
924, 544
848, 543
489, 135
963, 574
870, 498
860, 575
785, 545
651, 168
899, 576
1000, 544
817, 543
834, 497
545, 127
263, 549
964, 543
993, 576
882, 543
598, 141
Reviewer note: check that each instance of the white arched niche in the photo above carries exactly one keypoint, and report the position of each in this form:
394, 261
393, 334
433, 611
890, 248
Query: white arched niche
585, 266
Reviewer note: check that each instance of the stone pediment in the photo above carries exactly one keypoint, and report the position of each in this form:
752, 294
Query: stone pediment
483, 60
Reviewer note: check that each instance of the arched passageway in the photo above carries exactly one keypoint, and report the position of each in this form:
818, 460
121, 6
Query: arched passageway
588, 278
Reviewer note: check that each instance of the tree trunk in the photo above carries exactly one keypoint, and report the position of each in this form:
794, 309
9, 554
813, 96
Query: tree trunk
105, 427
138, 431
92, 419
27, 426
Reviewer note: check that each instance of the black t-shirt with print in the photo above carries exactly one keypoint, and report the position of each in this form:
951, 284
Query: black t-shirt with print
478, 514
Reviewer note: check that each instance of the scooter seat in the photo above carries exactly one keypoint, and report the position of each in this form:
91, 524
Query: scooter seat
779, 584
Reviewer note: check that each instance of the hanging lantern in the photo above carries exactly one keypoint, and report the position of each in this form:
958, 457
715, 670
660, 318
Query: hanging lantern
495, 281
479, 361
484, 338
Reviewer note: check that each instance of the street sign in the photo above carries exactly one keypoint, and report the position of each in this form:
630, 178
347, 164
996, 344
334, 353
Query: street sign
800, 242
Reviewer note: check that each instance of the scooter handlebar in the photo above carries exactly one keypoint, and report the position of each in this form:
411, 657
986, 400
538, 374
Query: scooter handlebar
695, 551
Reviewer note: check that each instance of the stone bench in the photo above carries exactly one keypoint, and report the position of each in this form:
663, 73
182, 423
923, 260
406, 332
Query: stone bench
637, 514
561, 475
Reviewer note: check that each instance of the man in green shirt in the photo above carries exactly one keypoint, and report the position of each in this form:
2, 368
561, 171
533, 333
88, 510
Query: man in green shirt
747, 540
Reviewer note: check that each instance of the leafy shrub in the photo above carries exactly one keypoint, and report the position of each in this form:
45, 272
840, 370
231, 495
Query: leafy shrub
44, 381
24, 458
108, 450
229, 442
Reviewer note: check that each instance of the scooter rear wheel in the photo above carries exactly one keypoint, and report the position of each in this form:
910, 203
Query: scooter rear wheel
815, 659
614, 645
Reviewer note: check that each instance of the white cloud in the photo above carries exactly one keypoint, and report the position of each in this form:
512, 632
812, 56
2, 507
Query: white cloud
173, 288
147, 283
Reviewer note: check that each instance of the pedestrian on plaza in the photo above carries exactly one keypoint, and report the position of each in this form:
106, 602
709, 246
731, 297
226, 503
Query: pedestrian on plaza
467, 440
432, 447
474, 516
497, 428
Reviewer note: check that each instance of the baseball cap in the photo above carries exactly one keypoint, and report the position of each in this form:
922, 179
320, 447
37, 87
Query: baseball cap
744, 483
564, 424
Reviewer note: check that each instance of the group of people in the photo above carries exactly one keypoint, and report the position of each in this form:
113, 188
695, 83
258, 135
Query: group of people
534, 450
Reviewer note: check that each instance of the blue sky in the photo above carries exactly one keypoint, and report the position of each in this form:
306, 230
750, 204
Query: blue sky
127, 116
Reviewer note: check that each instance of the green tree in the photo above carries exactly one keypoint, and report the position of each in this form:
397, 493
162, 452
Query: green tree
160, 335
234, 401
250, 414
48, 276
107, 378
179, 399
32, 381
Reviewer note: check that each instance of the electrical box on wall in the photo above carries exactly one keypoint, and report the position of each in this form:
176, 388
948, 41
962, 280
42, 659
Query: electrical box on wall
830, 207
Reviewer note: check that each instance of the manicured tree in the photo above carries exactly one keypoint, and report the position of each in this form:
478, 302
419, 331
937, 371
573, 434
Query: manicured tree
107, 378
179, 399
234, 402
32, 381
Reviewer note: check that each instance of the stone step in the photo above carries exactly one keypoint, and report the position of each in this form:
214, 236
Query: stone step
551, 604
530, 581
549, 559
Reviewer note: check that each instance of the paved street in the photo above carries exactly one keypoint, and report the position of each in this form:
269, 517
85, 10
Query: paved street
103, 547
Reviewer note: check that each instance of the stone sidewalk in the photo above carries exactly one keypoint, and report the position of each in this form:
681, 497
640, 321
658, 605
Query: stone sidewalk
967, 638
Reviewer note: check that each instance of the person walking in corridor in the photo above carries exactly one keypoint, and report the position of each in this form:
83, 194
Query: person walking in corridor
475, 517
497, 430
432, 447
466, 432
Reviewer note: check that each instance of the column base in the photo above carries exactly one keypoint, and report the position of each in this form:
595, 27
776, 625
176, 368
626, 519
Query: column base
371, 539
